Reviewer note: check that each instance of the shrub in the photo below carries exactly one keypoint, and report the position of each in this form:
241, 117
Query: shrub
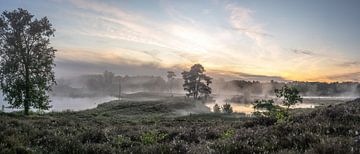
122, 141
152, 137
93, 136
290, 95
228, 134
216, 108
226, 108
270, 110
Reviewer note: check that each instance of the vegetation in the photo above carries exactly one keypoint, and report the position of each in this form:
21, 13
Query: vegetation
305, 88
151, 127
26, 60
226, 108
290, 95
171, 76
162, 125
216, 108
196, 82
270, 110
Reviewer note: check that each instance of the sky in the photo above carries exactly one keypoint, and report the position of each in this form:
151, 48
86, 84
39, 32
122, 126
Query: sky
246, 39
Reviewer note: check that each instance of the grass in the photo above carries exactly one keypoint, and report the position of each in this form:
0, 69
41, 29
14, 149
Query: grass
154, 127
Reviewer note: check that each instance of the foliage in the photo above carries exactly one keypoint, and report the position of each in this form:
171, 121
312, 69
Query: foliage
305, 88
196, 82
228, 134
332, 129
152, 137
227, 108
171, 76
271, 110
26, 59
290, 95
216, 108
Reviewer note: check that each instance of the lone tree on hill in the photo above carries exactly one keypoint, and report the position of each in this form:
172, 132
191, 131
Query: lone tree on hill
26, 60
196, 82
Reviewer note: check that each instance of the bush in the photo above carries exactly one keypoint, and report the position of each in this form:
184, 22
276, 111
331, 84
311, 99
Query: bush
216, 108
270, 110
152, 137
226, 108
228, 134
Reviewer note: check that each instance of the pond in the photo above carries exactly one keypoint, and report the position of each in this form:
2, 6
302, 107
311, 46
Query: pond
248, 107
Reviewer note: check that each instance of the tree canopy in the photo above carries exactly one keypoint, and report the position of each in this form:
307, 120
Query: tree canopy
290, 95
26, 60
196, 82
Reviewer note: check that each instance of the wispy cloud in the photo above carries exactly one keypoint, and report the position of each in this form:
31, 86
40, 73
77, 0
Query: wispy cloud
350, 64
249, 30
303, 52
240, 44
242, 20
231, 75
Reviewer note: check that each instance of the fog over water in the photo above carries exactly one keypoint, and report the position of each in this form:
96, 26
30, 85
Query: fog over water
87, 91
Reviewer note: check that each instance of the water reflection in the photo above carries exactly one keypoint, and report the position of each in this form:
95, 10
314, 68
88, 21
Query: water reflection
248, 108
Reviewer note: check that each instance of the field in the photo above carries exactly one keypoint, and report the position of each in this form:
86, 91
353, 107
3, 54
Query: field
163, 126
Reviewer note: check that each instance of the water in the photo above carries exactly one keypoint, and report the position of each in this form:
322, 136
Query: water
68, 103
248, 108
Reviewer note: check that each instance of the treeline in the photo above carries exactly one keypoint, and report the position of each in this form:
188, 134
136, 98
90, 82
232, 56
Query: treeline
108, 83
305, 88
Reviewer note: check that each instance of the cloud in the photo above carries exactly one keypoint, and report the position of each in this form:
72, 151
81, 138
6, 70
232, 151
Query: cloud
231, 75
248, 30
350, 64
242, 20
113, 36
153, 54
303, 52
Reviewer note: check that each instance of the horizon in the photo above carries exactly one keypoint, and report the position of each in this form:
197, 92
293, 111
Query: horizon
296, 41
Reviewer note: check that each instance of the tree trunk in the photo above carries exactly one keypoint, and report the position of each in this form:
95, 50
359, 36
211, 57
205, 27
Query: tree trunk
27, 89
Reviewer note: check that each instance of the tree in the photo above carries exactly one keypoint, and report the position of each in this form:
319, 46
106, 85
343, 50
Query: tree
269, 109
290, 95
196, 82
226, 108
27, 61
171, 76
108, 77
216, 108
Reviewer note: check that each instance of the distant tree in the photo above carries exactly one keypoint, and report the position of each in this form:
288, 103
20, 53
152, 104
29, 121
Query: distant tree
26, 60
108, 77
171, 76
216, 108
226, 108
196, 82
290, 95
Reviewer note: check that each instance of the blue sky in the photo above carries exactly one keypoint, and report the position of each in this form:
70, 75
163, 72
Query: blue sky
293, 40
